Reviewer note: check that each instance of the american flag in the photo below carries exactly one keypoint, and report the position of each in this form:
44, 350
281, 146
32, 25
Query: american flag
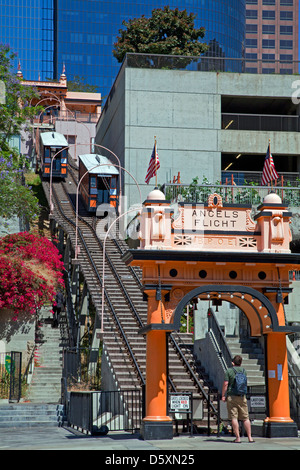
153, 165
269, 172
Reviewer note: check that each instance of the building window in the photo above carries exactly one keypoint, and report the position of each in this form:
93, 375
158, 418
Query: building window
251, 14
264, 70
251, 42
268, 15
268, 2
286, 58
268, 57
268, 43
285, 44
251, 55
251, 2
287, 30
287, 3
268, 28
251, 28
286, 15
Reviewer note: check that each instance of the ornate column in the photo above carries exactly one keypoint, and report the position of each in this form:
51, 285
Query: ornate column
279, 422
156, 424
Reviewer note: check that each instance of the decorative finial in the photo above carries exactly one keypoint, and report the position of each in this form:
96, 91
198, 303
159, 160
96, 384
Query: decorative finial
19, 73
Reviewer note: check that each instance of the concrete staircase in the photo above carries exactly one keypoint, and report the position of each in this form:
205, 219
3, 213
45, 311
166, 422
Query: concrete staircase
41, 406
45, 386
253, 359
21, 415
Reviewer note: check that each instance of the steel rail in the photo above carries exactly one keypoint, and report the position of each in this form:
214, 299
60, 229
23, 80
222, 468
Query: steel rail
71, 222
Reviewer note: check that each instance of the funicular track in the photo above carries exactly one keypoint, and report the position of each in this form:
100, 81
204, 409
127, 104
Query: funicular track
125, 312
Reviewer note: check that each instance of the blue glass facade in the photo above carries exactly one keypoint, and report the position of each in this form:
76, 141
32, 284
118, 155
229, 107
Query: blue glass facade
80, 33
88, 29
28, 27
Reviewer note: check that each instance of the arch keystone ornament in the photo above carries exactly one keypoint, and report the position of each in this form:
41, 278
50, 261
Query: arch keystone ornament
216, 251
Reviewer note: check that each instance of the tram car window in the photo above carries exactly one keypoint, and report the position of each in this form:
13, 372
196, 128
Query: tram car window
99, 181
53, 143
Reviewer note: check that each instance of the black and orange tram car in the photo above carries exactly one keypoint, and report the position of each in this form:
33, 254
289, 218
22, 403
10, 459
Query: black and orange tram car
99, 181
52, 143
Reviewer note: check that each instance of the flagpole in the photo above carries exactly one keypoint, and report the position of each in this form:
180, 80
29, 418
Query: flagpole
155, 161
271, 169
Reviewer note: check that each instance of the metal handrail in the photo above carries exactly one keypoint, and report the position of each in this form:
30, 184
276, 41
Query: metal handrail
195, 63
193, 375
224, 350
116, 274
260, 122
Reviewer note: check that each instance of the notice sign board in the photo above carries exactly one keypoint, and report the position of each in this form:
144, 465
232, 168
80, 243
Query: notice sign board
258, 402
180, 403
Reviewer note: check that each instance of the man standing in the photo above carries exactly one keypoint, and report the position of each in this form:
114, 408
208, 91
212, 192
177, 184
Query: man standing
236, 400
58, 305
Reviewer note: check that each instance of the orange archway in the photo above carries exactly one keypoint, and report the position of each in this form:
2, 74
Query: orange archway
215, 250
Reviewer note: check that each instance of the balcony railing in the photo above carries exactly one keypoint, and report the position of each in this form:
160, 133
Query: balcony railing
250, 195
246, 178
53, 116
260, 122
204, 63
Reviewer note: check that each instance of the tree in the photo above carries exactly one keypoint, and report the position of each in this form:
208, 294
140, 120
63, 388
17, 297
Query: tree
78, 84
167, 32
31, 270
15, 197
16, 111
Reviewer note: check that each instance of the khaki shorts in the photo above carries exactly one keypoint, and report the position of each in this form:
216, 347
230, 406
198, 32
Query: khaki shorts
237, 407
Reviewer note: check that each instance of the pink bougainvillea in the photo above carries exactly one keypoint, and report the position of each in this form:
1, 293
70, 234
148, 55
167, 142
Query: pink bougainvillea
31, 270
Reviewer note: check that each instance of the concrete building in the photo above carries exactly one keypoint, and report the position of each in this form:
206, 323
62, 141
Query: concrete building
206, 124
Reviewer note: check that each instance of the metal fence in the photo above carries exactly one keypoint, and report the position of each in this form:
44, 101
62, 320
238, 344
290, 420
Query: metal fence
260, 122
294, 387
10, 376
205, 63
93, 411
82, 366
250, 195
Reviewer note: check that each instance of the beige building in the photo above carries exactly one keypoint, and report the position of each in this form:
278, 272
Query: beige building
73, 114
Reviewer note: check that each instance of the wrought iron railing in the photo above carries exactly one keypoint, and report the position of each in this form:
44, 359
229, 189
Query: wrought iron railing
251, 178
294, 387
233, 194
79, 370
10, 376
118, 410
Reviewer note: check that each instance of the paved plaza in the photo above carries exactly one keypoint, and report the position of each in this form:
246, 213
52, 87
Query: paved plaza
126, 446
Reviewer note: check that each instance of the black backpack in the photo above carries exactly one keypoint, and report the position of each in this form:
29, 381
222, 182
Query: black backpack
240, 383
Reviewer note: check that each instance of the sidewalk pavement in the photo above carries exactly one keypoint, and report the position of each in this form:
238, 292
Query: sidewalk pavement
117, 445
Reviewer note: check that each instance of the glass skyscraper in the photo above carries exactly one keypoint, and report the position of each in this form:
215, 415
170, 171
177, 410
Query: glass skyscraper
81, 33
28, 27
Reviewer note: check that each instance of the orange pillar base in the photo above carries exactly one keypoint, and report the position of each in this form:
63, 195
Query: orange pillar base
274, 429
154, 430
156, 424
